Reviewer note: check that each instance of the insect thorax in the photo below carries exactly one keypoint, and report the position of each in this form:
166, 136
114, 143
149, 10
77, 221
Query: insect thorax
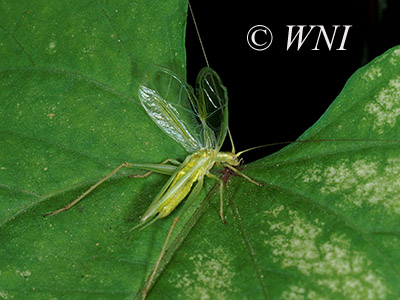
227, 158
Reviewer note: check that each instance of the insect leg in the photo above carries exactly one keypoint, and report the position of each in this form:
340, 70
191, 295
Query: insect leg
164, 247
243, 175
231, 139
193, 195
221, 196
159, 168
68, 206
162, 168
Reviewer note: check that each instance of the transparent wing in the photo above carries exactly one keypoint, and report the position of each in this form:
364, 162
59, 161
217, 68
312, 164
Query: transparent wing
212, 108
169, 101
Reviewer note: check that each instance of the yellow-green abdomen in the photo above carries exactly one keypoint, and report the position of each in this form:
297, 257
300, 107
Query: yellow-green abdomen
195, 167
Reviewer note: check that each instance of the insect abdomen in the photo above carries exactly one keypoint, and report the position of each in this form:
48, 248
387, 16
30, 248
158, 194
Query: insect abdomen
196, 167
175, 200
180, 194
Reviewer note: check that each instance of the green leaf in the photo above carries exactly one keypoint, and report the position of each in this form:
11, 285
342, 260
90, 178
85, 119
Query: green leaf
323, 226
68, 116
331, 209
325, 223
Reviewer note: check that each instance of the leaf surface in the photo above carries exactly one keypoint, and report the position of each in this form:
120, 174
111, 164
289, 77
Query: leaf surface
323, 226
325, 223
69, 115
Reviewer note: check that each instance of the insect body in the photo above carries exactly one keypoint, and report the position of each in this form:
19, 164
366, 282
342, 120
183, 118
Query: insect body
193, 169
198, 123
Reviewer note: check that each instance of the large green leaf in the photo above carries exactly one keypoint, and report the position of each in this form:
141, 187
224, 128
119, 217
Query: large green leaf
323, 226
69, 115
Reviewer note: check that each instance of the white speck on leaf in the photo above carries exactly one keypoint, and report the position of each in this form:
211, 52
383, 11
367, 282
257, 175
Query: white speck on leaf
385, 108
361, 183
52, 47
332, 262
372, 73
211, 277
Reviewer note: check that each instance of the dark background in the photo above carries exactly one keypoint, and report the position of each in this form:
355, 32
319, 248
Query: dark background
275, 95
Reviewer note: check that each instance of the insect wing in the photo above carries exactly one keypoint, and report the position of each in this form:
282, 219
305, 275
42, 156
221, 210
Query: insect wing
169, 101
212, 107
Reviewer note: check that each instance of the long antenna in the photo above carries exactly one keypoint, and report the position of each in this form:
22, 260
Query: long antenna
198, 34
317, 141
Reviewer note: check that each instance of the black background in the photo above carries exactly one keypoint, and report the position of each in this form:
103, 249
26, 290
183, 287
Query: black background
276, 94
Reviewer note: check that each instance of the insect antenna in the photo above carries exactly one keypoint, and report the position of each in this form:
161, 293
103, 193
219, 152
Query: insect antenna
265, 146
198, 34
316, 141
